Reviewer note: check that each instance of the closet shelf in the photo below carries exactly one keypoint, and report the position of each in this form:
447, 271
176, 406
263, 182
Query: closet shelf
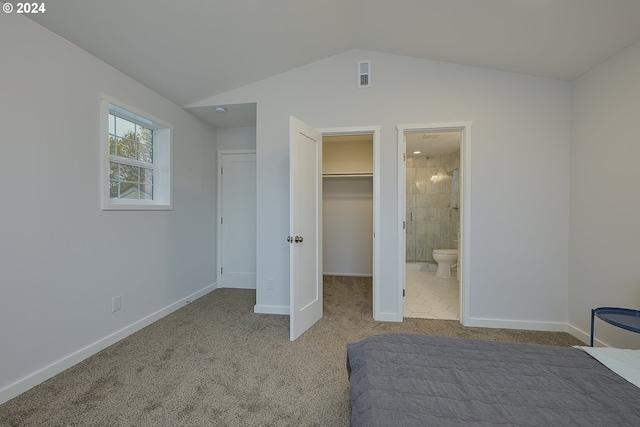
348, 175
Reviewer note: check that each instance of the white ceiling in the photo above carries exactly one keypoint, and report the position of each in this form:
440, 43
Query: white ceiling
193, 49
236, 115
433, 143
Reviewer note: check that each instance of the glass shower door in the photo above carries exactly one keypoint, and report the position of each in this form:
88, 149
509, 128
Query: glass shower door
410, 238
410, 226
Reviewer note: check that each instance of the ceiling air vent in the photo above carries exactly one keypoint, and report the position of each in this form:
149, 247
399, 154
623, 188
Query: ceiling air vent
364, 74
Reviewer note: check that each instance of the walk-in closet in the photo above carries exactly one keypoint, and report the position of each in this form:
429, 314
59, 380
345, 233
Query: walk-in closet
347, 205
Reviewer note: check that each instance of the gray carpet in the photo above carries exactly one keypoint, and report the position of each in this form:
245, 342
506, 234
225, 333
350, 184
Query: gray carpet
216, 363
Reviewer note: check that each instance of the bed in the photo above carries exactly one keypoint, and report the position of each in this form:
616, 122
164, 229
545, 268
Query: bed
417, 380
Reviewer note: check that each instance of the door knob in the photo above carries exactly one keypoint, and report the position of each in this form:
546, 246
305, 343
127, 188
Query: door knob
298, 239
289, 239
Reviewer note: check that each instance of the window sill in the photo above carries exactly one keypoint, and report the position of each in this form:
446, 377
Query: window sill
136, 207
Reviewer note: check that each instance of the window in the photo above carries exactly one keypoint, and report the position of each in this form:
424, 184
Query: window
136, 159
131, 163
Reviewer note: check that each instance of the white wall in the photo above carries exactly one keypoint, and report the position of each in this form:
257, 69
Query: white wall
242, 138
605, 200
347, 226
59, 253
519, 174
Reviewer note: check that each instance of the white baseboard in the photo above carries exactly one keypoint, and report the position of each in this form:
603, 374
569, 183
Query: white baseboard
239, 287
348, 274
271, 309
584, 336
517, 324
55, 368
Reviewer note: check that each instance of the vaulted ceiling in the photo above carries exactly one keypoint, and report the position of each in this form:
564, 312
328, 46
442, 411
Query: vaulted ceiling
189, 50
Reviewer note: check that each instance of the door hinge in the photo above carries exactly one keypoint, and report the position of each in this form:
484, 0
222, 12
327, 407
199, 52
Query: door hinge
221, 171
403, 293
221, 220
404, 225
220, 270
404, 157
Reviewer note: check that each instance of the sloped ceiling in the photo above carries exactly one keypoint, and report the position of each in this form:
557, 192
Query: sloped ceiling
194, 49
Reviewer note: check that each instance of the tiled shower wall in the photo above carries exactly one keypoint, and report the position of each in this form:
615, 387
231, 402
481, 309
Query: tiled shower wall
433, 191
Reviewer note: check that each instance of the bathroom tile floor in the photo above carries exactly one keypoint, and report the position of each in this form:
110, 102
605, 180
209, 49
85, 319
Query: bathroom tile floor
430, 297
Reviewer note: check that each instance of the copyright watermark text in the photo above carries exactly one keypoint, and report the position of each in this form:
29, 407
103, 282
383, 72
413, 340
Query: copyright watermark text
24, 8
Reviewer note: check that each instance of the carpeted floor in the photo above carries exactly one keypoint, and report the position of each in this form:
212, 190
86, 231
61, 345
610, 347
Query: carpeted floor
216, 363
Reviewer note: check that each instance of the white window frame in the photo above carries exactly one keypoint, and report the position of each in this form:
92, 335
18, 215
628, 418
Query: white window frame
162, 157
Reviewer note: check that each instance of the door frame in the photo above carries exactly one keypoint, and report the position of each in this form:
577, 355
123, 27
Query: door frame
375, 132
465, 209
220, 154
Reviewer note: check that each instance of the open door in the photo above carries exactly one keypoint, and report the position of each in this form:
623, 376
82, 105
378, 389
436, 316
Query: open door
305, 227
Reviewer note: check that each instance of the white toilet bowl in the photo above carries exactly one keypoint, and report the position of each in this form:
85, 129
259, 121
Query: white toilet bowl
445, 259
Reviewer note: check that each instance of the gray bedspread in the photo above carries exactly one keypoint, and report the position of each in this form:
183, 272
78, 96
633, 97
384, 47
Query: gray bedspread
417, 380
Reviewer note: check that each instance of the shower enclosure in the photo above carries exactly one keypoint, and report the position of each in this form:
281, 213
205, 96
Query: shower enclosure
433, 205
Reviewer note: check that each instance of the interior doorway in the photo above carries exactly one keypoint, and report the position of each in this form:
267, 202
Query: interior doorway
373, 177
236, 219
432, 221
433, 207
347, 205
305, 208
352, 190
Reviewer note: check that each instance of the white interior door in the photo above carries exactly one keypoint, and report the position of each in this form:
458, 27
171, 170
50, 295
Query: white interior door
305, 230
238, 220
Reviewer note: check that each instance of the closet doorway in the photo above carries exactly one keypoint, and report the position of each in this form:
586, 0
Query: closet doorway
347, 205
351, 204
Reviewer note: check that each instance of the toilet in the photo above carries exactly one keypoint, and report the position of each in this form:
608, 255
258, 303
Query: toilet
445, 259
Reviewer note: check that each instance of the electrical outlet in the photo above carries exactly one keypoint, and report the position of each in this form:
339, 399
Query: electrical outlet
271, 283
115, 304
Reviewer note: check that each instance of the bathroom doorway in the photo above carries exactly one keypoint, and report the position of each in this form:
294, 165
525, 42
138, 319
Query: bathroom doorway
432, 193
431, 173
432, 223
